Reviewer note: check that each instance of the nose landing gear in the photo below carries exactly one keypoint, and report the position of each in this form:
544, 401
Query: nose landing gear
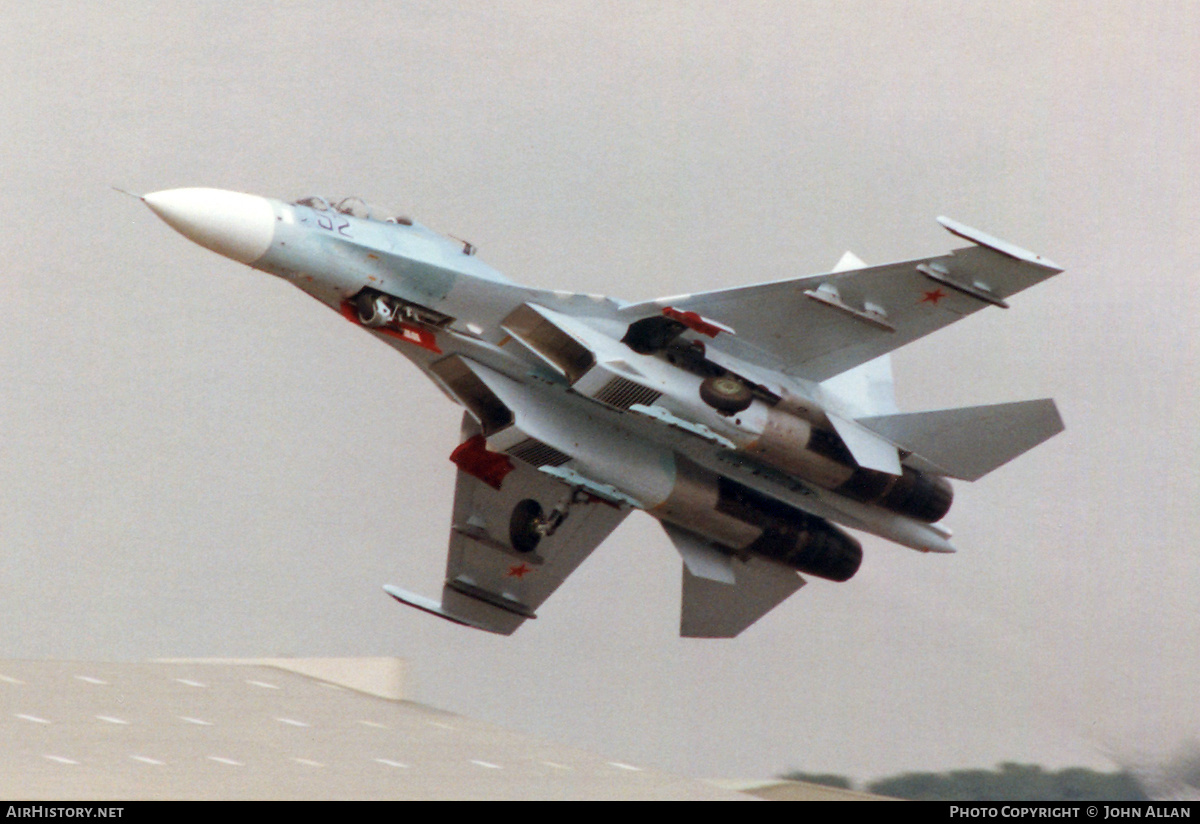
373, 310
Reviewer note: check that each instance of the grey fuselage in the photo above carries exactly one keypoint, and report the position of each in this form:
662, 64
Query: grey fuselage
472, 331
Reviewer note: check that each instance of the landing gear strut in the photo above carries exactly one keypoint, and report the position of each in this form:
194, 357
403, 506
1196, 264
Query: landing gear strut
373, 310
528, 523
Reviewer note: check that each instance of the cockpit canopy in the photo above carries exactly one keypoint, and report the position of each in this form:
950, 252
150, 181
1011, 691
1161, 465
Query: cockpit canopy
354, 207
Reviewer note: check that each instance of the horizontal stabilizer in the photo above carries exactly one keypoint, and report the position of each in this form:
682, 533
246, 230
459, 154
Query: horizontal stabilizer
970, 442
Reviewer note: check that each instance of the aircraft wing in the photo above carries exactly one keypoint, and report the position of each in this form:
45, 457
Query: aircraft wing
494, 579
822, 325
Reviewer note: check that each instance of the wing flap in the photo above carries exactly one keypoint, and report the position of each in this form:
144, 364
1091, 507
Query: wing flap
969, 442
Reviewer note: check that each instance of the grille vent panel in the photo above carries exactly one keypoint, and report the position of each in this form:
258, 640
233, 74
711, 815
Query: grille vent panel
533, 451
623, 394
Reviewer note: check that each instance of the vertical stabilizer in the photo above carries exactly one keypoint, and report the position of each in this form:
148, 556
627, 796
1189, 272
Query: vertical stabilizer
849, 261
869, 388
722, 595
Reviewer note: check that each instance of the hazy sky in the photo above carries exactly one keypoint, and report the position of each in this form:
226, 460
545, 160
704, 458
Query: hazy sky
196, 459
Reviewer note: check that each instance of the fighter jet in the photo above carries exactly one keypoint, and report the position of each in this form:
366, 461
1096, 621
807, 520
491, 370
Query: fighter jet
756, 423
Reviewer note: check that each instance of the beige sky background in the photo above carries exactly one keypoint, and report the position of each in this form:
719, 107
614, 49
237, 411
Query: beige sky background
196, 459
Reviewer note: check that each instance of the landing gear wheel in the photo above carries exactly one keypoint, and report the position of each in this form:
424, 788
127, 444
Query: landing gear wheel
726, 394
523, 525
371, 309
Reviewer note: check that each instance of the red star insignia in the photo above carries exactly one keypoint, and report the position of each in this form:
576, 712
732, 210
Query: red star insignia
519, 571
933, 297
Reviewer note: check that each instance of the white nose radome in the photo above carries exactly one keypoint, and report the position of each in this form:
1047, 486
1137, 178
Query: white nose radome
233, 224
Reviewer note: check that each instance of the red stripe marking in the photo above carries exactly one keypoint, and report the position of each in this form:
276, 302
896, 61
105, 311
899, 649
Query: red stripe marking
692, 321
473, 457
407, 332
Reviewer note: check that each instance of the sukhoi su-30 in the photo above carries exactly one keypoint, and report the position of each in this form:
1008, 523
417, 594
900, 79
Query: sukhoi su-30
756, 423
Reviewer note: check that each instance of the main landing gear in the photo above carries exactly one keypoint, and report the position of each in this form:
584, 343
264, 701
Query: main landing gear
529, 523
726, 394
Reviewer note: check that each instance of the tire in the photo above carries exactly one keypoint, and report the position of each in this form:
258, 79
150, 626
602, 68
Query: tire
726, 394
364, 304
522, 526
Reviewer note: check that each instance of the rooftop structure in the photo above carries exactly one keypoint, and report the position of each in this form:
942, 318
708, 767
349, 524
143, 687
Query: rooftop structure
278, 729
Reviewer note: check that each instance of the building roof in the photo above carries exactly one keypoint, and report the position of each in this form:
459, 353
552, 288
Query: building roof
279, 729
